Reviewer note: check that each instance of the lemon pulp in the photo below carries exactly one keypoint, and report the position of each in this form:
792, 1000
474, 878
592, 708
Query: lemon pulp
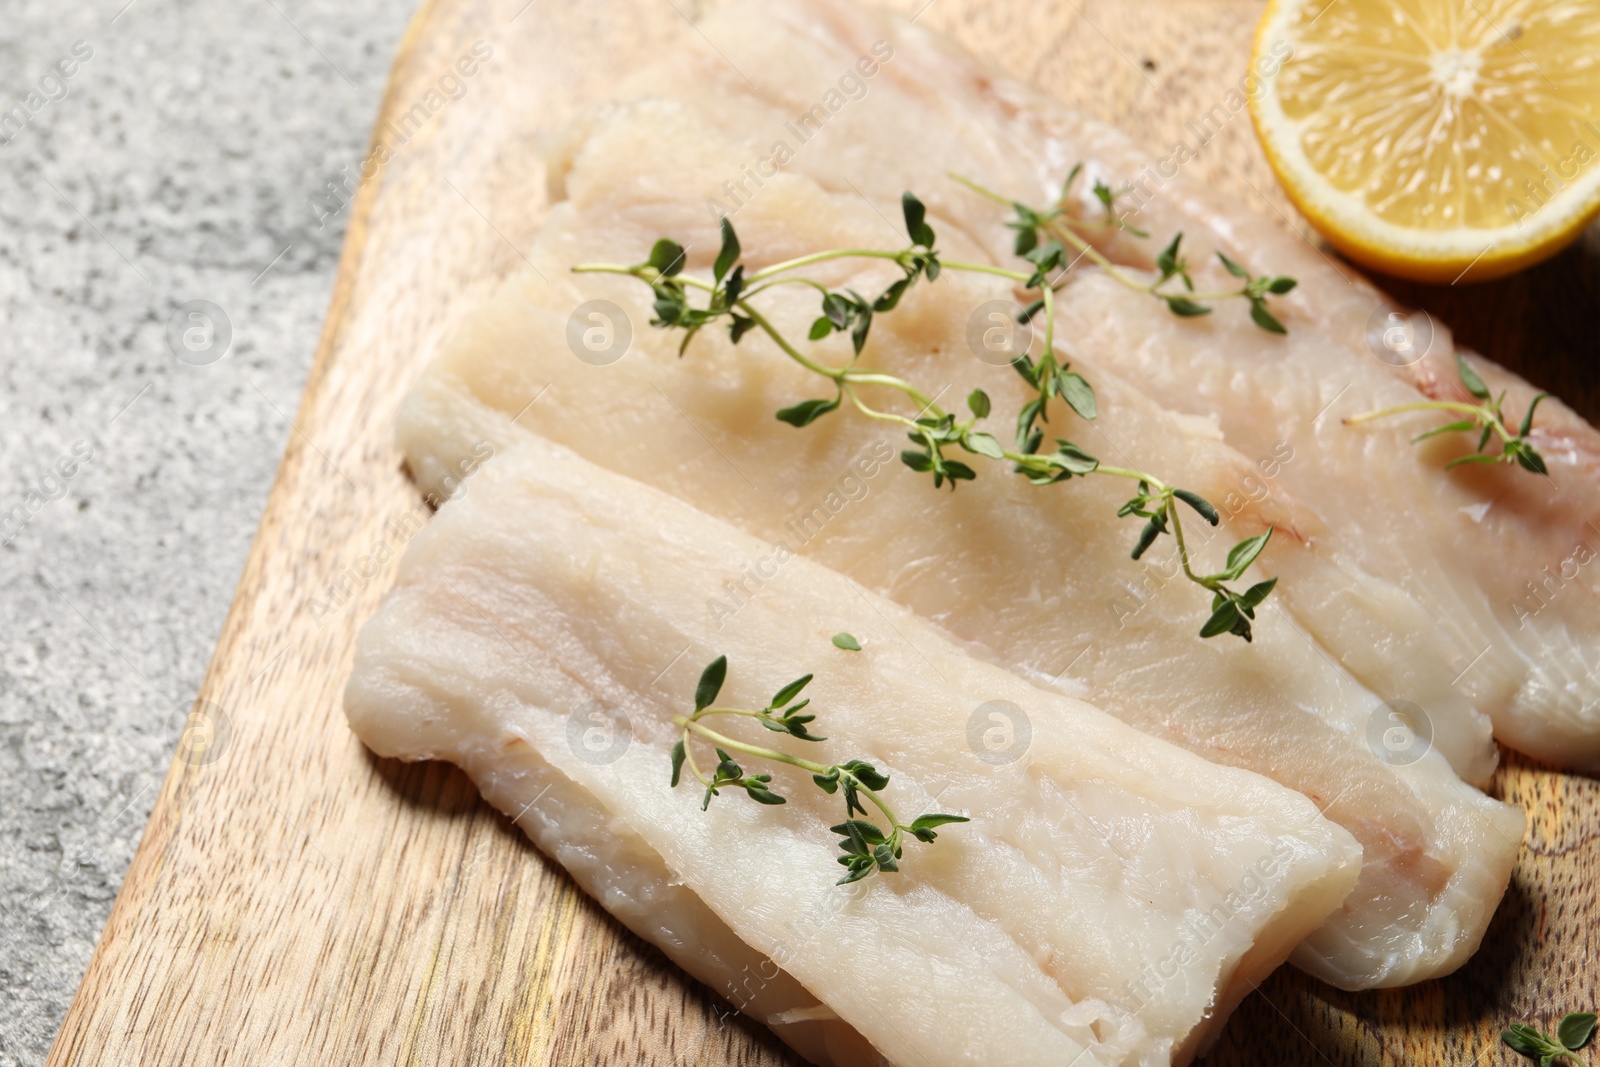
1430, 136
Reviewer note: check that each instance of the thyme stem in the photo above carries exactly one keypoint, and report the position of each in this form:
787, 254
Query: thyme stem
1486, 416
1043, 235
867, 847
692, 724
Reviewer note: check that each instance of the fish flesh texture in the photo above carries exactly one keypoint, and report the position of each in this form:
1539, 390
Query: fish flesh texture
1490, 597
1035, 579
1110, 901
879, 145
1497, 559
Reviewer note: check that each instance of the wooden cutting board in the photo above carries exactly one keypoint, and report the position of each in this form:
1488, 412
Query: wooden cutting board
298, 901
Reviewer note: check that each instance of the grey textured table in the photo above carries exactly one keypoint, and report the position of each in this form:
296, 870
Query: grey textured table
185, 157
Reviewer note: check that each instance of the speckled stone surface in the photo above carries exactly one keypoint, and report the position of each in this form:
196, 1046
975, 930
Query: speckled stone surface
176, 163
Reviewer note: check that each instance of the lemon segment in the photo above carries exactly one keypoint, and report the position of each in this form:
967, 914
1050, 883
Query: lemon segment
1436, 139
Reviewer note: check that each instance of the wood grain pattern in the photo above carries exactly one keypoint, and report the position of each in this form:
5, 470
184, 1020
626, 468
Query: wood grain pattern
296, 900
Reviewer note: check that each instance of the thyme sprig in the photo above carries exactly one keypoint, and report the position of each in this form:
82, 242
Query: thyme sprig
1572, 1033
867, 844
939, 436
1486, 417
1045, 234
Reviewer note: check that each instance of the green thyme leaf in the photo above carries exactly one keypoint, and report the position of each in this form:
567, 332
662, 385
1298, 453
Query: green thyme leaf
921, 233
1072, 176
1200, 504
797, 728
1072, 459
790, 691
1153, 529
1575, 1030
1168, 262
922, 827
956, 471
1030, 413
1528, 459
1232, 267
808, 411
860, 829
858, 332
759, 793
710, 683
1264, 318
1470, 379
847, 642
1253, 596
1077, 393
891, 296
857, 872
1453, 427
983, 444
978, 404
1225, 619
729, 254
678, 753
837, 310
738, 326
1527, 416
1525, 1040
867, 775
1184, 307
666, 256
1243, 554
1476, 457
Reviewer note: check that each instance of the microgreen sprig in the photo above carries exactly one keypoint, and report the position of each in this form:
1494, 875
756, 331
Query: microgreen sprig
1045, 234
1572, 1033
867, 845
1486, 417
939, 436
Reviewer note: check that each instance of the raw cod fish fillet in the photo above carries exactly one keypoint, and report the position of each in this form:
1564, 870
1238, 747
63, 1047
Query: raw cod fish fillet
1035, 579
1499, 560
1111, 900
1492, 596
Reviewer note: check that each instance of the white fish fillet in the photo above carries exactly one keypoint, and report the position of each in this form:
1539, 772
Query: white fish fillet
1038, 580
1500, 561
1110, 901
1487, 569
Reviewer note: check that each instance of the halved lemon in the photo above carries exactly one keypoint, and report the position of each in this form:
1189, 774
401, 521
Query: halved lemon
1442, 140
